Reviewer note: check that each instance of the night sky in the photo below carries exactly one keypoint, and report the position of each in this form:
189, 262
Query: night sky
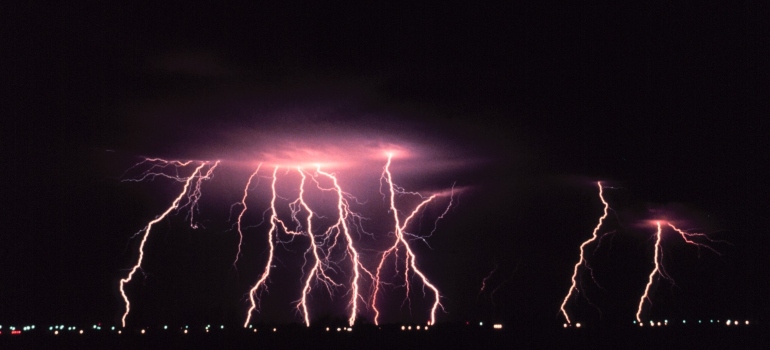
522, 105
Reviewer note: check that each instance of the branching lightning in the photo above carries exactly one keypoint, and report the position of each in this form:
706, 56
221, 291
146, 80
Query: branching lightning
400, 241
659, 270
332, 258
192, 201
582, 260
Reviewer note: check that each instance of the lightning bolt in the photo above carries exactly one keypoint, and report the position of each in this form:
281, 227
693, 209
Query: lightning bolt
655, 271
342, 227
192, 199
486, 279
582, 260
658, 261
243, 211
400, 240
318, 271
320, 263
253, 297
327, 239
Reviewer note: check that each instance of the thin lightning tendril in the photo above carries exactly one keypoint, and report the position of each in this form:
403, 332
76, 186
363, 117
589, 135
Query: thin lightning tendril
243, 211
486, 279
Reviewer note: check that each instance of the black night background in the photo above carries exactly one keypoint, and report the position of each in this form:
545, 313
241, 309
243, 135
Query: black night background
537, 101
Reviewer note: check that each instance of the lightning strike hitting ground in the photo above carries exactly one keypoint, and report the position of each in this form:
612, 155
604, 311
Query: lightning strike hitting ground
192, 201
655, 271
318, 271
342, 227
253, 298
582, 260
328, 236
658, 261
400, 240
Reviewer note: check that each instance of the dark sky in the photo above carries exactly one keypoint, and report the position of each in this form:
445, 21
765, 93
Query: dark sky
665, 102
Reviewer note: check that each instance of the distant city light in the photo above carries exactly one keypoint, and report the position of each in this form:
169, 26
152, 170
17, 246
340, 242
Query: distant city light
497, 326
403, 328
481, 323
578, 325
81, 331
142, 331
56, 332
565, 325
747, 322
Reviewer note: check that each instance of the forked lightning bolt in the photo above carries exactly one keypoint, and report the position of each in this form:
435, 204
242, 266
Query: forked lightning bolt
327, 239
253, 297
192, 201
582, 260
318, 271
400, 240
659, 270
320, 249
342, 226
